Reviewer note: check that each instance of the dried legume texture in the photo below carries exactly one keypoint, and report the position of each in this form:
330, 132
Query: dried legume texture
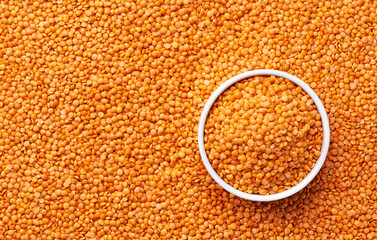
263, 135
100, 101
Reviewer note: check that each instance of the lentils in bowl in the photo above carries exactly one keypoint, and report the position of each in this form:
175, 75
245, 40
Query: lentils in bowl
263, 135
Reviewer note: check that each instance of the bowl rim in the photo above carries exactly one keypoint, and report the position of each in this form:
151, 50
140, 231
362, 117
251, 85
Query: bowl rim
325, 139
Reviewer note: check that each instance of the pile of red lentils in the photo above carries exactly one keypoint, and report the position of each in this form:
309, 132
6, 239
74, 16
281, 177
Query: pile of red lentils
100, 102
263, 135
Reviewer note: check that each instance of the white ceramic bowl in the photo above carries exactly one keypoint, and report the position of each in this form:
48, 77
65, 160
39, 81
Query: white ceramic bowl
311, 174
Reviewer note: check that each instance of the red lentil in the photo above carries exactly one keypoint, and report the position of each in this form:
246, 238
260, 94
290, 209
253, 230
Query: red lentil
129, 54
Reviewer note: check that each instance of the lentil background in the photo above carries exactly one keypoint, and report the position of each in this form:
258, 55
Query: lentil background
100, 101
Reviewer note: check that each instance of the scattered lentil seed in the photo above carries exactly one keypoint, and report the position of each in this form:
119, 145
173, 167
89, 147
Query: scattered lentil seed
66, 67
